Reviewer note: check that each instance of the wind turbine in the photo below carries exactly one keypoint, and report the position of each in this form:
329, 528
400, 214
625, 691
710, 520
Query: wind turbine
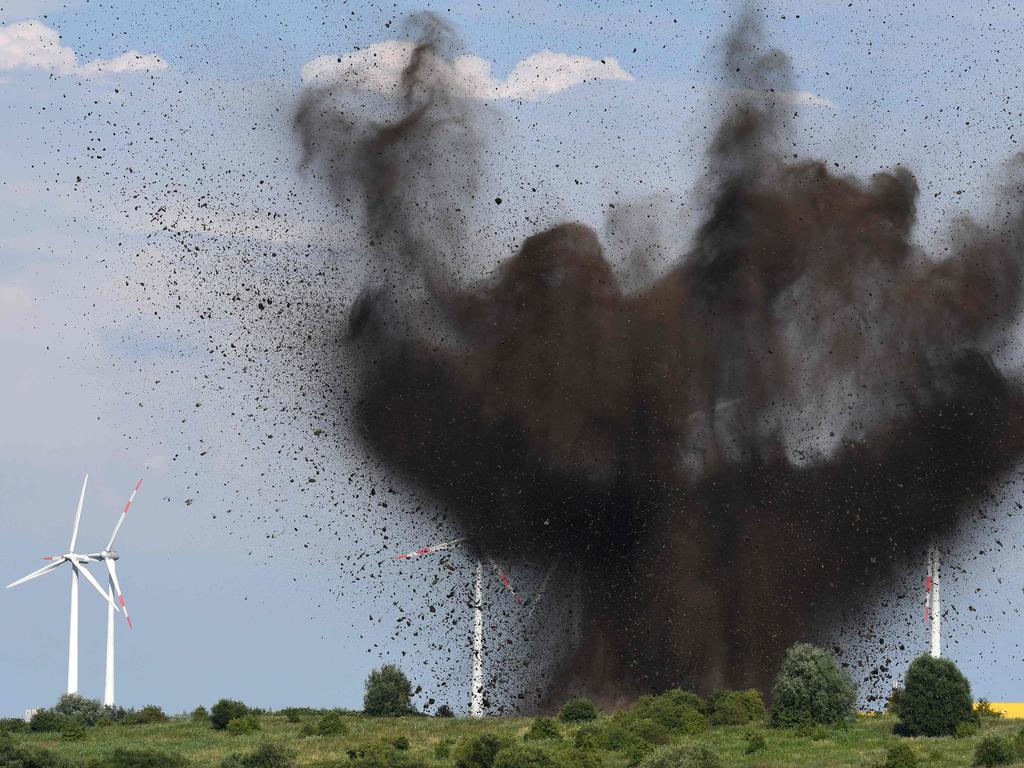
476, 696
77, 563
932, 605
110, 558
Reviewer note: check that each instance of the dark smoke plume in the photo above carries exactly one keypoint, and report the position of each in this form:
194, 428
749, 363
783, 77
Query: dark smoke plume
719, 456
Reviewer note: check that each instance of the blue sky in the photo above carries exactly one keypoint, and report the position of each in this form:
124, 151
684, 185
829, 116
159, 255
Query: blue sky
113, 180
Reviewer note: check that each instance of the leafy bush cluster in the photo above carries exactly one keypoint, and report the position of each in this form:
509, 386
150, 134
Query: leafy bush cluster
388, 693
267, 755
578, 710
755, 743
900, 756
936, 698
143, 758
241, 726
331, 724
811, 689
542, 728
226, 710
737, 707
995, 750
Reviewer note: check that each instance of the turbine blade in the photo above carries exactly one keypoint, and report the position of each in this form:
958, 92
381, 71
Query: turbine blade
92, 580
124, 514
431, 549
78, 515
35, 574
112, 570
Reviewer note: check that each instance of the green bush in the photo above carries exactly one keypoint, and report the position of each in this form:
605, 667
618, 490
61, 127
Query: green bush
89, 711
478, 751
737, 707
331, 724
935, 699
681, 756
143, 758
994, 750
401, 743
73, 729
1018, 743
812, 689
226, 710
200, 715
12, 725
967, 729
679, 711
444, 711
578, 710
576, 758
148, 715
246, 724
46, 721
16, 756
900, 756
542, 728
292, 716
388, 693
266, 755
755, 743
523, 756
307, 729
984, 710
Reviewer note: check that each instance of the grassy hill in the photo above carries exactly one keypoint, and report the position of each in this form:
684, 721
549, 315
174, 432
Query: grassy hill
432, 743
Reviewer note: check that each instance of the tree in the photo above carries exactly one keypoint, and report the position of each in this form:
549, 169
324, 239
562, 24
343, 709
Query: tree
578, 710
226, 710
936, 698
388, 693
811, 689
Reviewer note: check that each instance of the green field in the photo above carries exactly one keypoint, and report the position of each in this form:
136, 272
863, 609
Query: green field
864, 743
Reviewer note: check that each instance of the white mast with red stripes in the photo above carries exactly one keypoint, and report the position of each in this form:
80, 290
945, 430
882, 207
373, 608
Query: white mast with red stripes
476, 694
932, 604
110, 558
77, 563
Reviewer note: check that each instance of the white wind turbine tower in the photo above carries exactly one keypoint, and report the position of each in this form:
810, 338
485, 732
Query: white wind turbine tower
932, 604
110, 558
476, 696
77, 563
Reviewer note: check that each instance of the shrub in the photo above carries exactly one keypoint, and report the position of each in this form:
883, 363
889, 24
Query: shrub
681, 756
478, 751
143, 758
388, 692
1018, 743
994, 750
331, 724
737, 707
266, 755
444, 711
935, 699
226, 710
967, 729
578, 710
400, 743
12, 725
542, 728
45, 721
677, 710
148, 715
292, 716
900, 756
73, 729
307, 729
89, 711
983, 709
200, 715
811, 688
16, 756
243, 725
755, 743
523, 756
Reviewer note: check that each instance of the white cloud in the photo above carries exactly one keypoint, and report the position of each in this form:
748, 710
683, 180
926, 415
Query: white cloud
33, 45
379, 68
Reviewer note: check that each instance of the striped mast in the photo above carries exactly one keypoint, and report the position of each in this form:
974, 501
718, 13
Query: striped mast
932, 604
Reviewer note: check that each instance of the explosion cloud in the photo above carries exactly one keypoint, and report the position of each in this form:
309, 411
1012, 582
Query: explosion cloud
720, 455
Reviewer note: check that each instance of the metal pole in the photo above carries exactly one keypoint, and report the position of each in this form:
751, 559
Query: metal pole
73, 635
936, 608
108, 687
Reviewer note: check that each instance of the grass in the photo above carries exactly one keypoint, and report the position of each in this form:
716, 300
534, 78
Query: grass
862, 744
